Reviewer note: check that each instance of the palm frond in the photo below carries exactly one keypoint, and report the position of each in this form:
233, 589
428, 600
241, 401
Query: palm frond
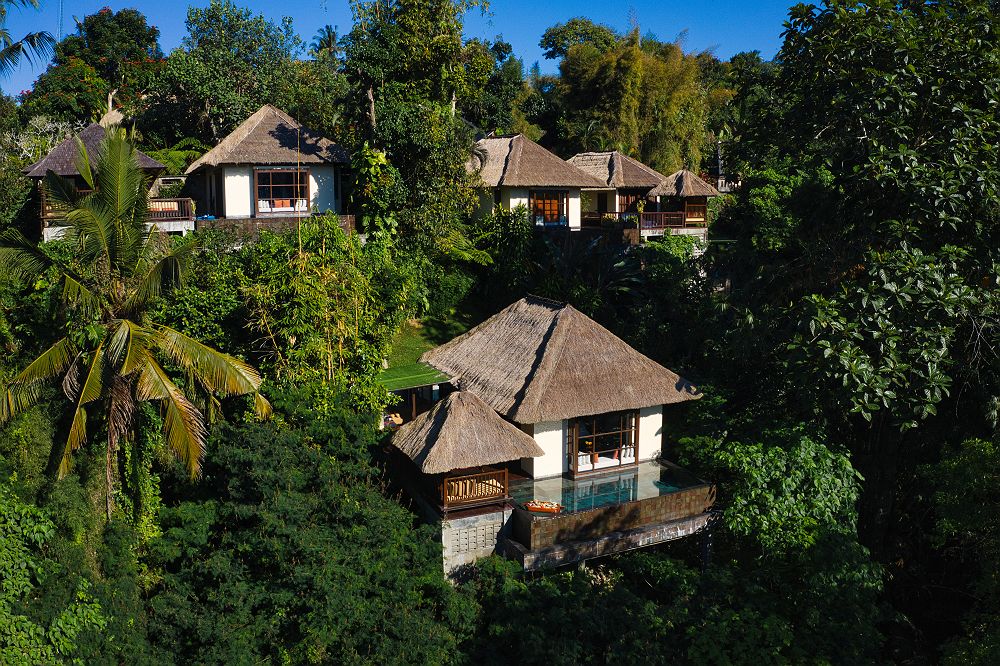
60, 192
127, 347
261, 407
122, 191
32, 47
23, 391
183, 424
166, 272
16, 400
19, 257
77, 294
92, 229
91, 390
220, 372
121, 409
82, 163
49, 363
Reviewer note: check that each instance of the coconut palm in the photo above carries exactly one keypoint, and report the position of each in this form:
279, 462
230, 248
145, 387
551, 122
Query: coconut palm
36, 44
110, 356
326, 43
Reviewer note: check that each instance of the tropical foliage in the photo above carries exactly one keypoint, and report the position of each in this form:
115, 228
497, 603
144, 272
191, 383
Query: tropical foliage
843, 334
111, 356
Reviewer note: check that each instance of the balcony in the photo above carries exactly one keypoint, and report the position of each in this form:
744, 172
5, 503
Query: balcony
462, 491
694, 217
650, 503
168, 215
160, 210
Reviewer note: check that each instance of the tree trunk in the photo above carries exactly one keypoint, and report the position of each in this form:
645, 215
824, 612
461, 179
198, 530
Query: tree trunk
371, 107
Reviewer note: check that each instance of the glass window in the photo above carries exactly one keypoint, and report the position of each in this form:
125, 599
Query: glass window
282, 191
603, 441
548, 206
628, 202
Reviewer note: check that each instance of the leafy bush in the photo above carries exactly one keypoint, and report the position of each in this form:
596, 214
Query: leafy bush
292, 554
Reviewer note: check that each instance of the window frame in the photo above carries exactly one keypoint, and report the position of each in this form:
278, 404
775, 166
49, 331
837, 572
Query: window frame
628, 436
301, 183
560, 199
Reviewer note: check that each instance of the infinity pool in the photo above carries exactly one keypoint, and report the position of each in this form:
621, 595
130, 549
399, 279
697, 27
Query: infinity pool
646, 480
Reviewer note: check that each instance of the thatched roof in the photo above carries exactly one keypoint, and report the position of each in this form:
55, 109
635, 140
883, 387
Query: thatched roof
538, 360
516, 161
682, 184
62, 159
617, 170
462, 431
271, 136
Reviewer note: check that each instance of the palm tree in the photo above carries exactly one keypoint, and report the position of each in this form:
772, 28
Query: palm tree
110, 355
36, 44
326, 43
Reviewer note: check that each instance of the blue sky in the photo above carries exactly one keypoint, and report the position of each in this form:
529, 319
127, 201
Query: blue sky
724, 26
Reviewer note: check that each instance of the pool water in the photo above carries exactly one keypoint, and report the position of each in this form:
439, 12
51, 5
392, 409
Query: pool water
644, 481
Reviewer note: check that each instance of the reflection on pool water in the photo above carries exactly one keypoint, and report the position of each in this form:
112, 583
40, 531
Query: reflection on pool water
646, 480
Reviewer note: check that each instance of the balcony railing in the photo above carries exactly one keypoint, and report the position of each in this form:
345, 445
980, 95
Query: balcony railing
160, 210
170, 210
695, 216
473, 489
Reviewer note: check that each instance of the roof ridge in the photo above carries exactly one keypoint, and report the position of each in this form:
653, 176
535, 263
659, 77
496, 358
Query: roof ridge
552, 349
615, 167
509, 162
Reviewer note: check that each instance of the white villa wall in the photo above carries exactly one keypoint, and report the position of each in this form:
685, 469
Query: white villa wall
323, 189
238, 195
573, 212
551, 437
650, 432
512, 197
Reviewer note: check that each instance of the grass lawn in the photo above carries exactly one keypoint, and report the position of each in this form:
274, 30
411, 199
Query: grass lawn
410, 342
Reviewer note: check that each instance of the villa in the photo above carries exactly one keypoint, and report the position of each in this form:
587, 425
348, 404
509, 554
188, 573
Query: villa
640, 197
516, 171
627, 183
169, 215
543, 442
269, 172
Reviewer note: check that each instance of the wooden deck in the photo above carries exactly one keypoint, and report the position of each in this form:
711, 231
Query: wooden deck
160, 210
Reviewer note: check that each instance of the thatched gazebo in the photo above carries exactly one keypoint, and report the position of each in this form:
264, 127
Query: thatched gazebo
685, 191
461, 445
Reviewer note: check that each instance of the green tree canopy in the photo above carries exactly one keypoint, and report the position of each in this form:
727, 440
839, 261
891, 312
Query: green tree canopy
110, 356
558, 39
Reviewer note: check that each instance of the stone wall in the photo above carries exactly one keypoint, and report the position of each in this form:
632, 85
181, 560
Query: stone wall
465, 540
538, 531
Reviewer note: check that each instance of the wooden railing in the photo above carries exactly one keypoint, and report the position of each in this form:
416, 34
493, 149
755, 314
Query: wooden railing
695, 216
170, 210
160, 210
472, 489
